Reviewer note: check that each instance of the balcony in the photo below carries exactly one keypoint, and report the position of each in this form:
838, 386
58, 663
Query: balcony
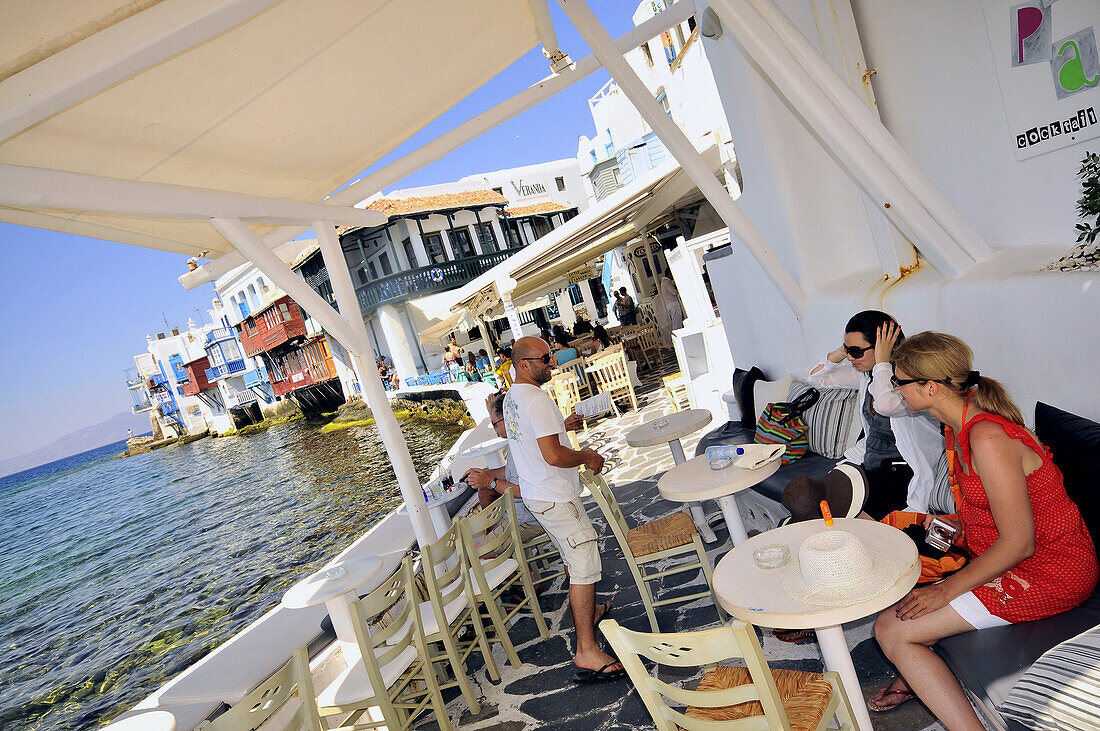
254, 378
426, 280
271, 326
133, 378
315, 373
226, 369
196, 377
219, 334
158, 380
239, 398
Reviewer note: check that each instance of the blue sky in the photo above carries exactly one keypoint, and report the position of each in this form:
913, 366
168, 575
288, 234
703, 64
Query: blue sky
77, 309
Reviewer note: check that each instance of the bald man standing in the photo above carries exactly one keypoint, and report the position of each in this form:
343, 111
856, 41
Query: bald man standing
551, 488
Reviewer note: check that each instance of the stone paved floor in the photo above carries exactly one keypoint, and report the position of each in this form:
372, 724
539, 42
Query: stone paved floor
541, 694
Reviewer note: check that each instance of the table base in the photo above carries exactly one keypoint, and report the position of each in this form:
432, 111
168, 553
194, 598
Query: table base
837, 657
697, 515
732, 514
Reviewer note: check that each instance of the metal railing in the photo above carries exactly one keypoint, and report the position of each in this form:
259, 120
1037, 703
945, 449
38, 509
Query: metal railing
254, 377
426, 280
220, 333
133, 377
228, 369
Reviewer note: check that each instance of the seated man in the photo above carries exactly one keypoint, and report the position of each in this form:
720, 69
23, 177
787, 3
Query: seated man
492, 483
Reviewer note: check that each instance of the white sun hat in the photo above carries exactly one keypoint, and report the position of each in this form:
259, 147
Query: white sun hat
835, 568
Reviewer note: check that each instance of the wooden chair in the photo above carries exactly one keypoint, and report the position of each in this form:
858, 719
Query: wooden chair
750, 697
450, 608
676, 388
394, 673
611, 376
576, 367
648, 345
494, 550
565, 391
269, 696
671, 536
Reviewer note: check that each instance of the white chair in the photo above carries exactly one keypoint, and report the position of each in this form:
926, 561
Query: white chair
269, 696
494, 550
393, 673
750, 697
654, 542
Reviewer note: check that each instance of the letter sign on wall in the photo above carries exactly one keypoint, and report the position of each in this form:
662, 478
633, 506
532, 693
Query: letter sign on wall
1048, 70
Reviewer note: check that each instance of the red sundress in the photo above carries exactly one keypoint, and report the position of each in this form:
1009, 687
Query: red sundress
1062, 572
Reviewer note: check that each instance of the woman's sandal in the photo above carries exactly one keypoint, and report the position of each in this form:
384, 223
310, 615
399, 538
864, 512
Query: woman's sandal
795, 636
904, 695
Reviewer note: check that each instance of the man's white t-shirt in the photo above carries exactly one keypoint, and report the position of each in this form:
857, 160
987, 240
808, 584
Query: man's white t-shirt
530, 413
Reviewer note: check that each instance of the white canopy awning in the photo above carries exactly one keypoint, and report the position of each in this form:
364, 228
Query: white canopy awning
618, 218
286, 100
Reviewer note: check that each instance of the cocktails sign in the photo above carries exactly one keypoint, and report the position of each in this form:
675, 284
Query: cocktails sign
1048, 70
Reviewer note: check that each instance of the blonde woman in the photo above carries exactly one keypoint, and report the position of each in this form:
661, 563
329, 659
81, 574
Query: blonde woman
1032, 556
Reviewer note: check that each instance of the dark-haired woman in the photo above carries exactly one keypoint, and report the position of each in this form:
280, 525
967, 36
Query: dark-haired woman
897, 455
1032, 554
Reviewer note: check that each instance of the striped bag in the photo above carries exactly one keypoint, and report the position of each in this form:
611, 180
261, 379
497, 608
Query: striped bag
782, 423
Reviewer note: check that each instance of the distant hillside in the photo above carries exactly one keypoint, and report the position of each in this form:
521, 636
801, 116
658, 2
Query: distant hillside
82, 440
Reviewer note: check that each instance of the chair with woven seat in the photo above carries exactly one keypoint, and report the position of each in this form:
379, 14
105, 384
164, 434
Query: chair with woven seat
565, 391
648, 345
676, 388
750, 697
655, 541
451, 608
494, 550
393, 673
612, 376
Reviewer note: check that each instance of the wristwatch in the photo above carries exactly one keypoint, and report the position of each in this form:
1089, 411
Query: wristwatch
493, 484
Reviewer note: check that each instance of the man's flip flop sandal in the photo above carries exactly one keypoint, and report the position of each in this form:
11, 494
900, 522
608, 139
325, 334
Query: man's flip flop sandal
904, 695
795, 636
606, 612
598, 676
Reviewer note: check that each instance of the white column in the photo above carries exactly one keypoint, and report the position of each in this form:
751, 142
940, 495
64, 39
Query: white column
498, 230
418, 245
565, 308
694, 165
589, 301
350, 331
393, 330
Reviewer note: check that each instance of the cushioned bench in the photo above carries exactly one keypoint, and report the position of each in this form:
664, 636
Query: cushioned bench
990, 662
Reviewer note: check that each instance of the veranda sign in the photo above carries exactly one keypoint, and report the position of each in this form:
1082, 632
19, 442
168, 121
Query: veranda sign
1048, 68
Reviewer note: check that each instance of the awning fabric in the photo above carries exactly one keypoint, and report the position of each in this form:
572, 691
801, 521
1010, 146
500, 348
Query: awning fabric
291, 103
614, 221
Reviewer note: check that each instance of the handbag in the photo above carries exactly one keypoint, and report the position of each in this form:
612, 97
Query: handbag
782, 423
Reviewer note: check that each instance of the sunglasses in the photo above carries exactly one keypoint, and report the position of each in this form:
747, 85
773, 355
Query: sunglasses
857, 352
545, 358
498, 421
899, 382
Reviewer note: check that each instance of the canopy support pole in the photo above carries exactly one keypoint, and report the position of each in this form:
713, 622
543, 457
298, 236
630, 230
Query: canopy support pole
680, 146
351, 334
850, 130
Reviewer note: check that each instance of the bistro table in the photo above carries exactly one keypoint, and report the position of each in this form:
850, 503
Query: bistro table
755, 595
338, 585
493, 451
694, 480
669, 429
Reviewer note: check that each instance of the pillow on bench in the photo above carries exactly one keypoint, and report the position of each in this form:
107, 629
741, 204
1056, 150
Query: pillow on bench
1062, 689
1074, 441
833, 421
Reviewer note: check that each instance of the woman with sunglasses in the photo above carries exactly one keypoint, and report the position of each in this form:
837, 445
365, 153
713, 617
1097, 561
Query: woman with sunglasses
1032, 556
899, 450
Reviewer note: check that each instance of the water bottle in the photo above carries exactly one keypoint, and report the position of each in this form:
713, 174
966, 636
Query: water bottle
724, 451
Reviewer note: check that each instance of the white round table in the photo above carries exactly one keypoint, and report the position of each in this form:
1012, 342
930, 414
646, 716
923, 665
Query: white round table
694, 480
756, 595
493, 451
337, 586
670, 429
150, 721
437, 509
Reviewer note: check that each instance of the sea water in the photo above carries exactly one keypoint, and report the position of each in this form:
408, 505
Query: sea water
118, 574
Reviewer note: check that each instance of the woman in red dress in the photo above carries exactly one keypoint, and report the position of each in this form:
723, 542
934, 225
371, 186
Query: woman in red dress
1032, 554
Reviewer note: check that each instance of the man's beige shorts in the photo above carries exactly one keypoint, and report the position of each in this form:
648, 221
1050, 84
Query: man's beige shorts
572, 534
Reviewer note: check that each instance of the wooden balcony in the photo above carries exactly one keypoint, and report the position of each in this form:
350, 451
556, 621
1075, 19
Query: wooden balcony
305, 366
196, 377
271, 326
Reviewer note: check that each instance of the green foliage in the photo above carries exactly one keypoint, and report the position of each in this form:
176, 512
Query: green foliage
1089, 204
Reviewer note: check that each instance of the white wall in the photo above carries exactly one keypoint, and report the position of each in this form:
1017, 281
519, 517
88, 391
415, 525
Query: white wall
938, 93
